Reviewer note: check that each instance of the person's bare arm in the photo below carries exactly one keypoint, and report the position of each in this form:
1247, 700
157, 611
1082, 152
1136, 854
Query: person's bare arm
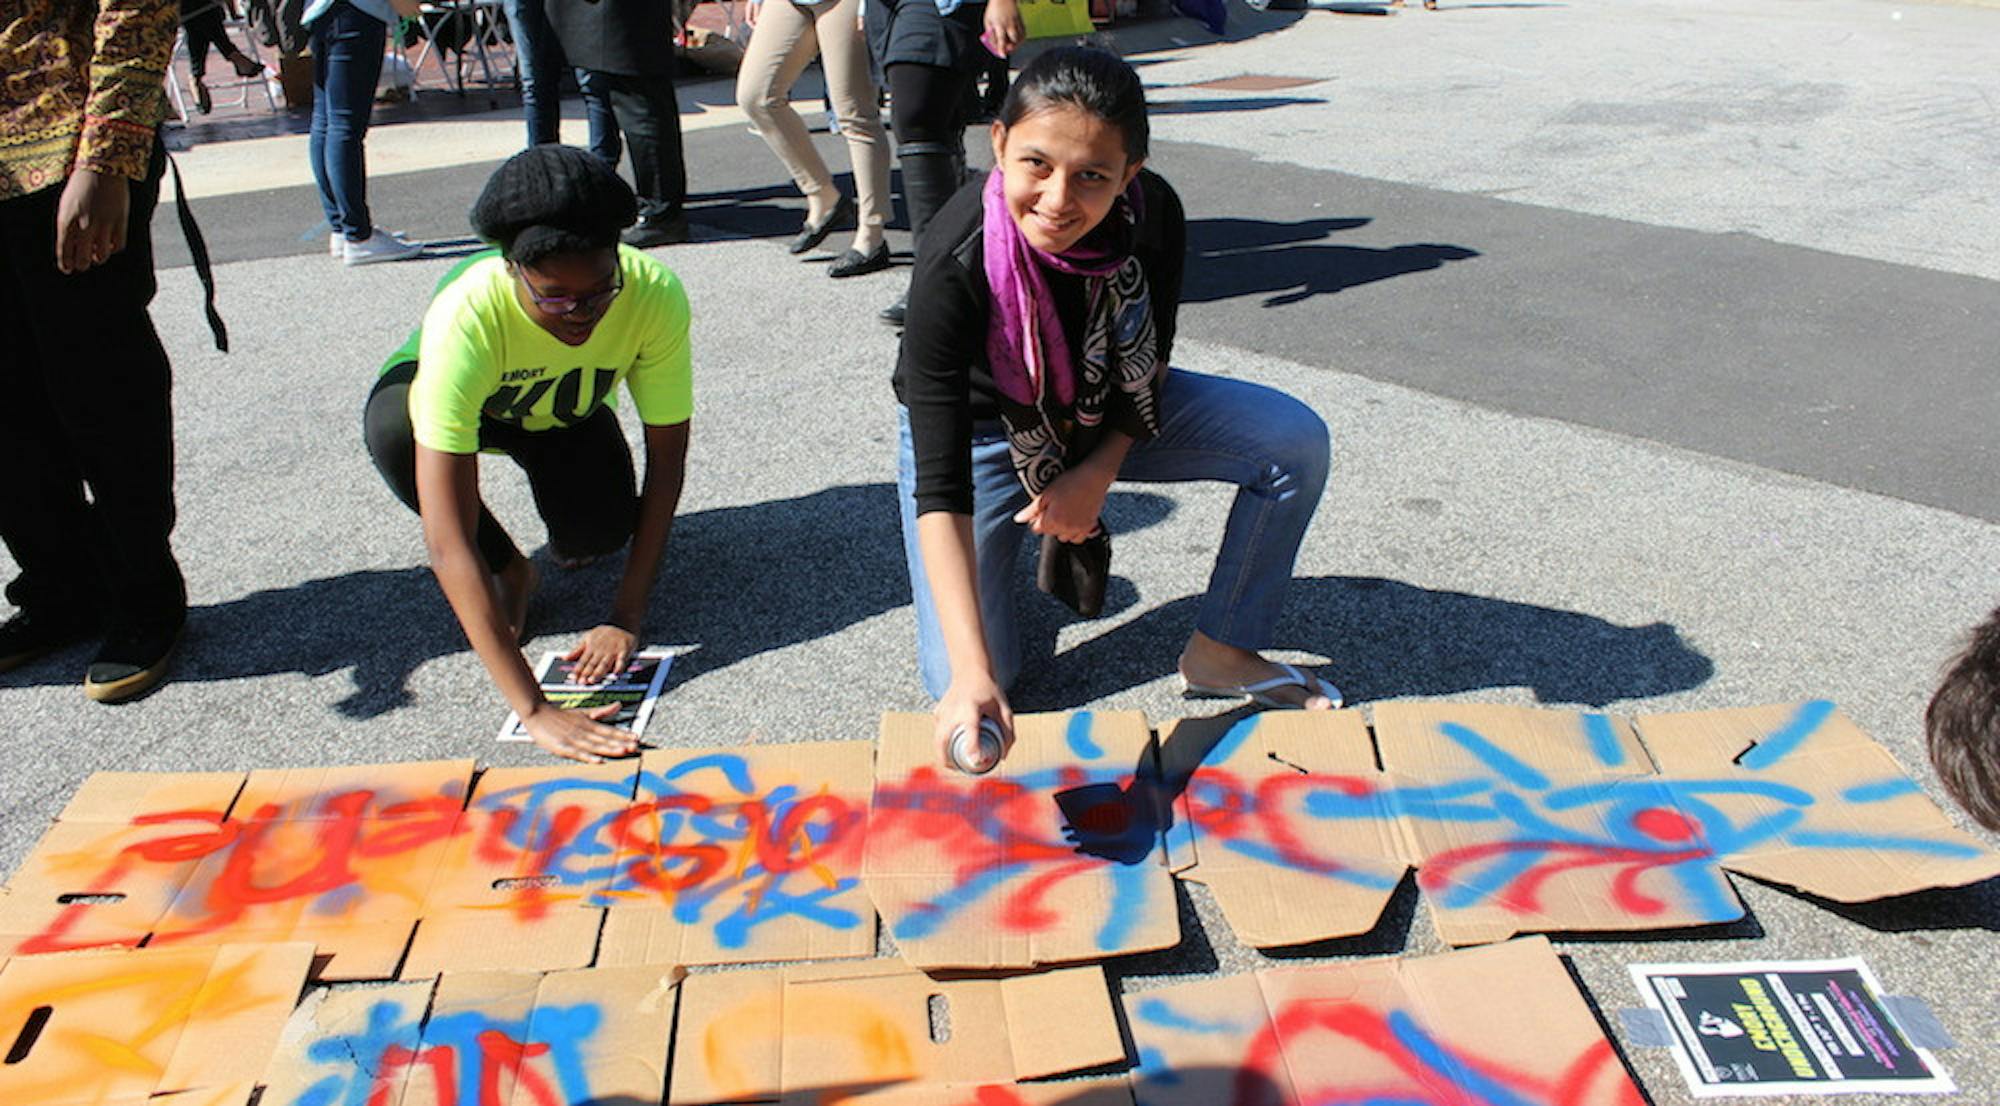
953, 574
448, 489
605, 649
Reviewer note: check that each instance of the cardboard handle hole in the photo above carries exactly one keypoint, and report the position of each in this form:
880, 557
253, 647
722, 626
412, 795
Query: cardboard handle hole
523, 883
88, 899
940, 1011
38, 1019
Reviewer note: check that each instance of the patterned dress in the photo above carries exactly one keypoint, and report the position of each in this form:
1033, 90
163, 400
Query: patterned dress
84, 86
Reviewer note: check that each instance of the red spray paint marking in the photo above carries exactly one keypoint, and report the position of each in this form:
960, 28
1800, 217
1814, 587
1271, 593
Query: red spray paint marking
1255, 1085
1522, 894
499, 1055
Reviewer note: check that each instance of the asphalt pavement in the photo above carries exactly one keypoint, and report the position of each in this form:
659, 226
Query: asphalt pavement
1656, 341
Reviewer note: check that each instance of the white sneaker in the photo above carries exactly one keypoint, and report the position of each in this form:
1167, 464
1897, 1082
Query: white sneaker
381, 246
336, 246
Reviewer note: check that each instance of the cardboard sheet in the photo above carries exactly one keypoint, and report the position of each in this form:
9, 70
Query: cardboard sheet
562, 1039
129, 1025
1056, 856
722, 855
1302, 825
514, 888
742, 855
1497, 1024
1254, 816
825, 1033
1523, 820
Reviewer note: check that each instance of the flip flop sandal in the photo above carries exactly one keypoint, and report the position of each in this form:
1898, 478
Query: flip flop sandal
1260, 692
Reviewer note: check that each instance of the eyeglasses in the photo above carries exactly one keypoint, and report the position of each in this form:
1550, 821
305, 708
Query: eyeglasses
574, 305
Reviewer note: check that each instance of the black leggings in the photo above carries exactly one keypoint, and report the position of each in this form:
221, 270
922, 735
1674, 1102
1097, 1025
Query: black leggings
205, 29
927, 106
581, 475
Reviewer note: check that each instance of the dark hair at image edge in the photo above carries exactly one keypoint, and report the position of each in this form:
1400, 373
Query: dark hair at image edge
1962, 726
1084, 77
549, 200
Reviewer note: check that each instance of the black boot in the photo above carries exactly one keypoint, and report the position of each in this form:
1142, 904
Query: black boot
931, 173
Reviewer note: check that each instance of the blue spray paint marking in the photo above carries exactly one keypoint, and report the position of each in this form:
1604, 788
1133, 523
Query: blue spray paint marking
1434, 1056
1787, 738
1159, 1011
1894, 787
336, 901
1503, 763
1712, 900
1128, 902
1432, 804
1814, 839
365, 1055
733, 931
1604, 742
1077, 733
1154, 1068
1231, 741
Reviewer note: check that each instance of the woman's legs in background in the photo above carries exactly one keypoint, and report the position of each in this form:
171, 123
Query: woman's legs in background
851, 90
542, 65
347, 48
780, 48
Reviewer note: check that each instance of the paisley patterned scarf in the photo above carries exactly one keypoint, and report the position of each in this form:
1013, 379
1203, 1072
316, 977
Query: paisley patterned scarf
1050, 397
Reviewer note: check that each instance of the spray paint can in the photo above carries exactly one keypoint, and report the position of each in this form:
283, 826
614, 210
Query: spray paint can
976, 752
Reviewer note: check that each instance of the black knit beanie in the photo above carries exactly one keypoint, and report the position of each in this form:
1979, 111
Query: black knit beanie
553, 199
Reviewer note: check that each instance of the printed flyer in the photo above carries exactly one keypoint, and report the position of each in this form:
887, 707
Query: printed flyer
634, 690
1785, 1027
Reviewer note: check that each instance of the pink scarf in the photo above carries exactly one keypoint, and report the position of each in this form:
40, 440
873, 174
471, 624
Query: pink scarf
1047, 396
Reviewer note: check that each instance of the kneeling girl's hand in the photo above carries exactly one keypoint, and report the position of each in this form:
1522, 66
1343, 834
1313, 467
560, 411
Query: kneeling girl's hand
602, 652
965, 702
1069, 507
579, 734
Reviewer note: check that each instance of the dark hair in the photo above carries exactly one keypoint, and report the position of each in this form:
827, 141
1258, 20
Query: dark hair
1962, 726
1084, 77
551, 199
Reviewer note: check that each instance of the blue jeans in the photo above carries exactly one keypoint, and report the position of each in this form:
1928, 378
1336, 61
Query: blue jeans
347, 48
540, 56
1271, 446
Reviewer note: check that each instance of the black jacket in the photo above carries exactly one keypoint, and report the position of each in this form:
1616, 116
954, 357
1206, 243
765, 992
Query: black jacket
634, 38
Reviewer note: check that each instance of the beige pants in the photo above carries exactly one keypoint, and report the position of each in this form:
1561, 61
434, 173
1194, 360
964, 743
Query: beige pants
786, 38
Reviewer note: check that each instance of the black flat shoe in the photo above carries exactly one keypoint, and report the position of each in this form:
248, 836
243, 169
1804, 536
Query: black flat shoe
815, 233
896, 313
647, 233
856, 263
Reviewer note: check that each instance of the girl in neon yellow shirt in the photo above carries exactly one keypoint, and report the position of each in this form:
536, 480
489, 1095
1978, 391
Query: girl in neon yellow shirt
519, 353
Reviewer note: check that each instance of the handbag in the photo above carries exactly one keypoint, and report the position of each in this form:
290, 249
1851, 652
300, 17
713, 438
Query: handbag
1076, 572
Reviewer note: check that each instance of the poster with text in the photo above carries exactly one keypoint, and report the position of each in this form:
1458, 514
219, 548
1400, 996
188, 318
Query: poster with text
634, 690
1785, 1027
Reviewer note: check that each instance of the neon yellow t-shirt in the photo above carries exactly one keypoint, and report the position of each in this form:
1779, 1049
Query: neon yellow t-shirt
479, 353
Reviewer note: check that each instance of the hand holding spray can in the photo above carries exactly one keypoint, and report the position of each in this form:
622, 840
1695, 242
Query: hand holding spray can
977, 752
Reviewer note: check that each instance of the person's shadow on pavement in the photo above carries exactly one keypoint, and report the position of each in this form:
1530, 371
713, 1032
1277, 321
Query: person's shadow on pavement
1231, 258
736, 581
1387, 640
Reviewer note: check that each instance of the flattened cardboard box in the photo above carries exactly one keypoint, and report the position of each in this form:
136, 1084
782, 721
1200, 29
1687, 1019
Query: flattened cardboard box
516, 886
133, 1025
1054, 857
96, 851
823, 1032
743, 855
1503, 1023
1526, 820
1069, 1092
566, 1038
1285, 823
